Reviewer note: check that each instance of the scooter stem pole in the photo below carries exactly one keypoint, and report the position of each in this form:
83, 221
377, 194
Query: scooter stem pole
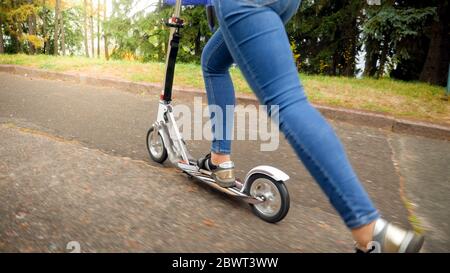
172, 52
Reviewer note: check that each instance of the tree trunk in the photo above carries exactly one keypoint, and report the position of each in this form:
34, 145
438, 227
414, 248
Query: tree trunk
383, 57
63, 40
15, 31
372, 56
351, 50
31, 30
334, 66
18, 37
85, 28
91, 17
44, 28
56, 34
105, 35
98, 28
197, 48
435, 68
2, 44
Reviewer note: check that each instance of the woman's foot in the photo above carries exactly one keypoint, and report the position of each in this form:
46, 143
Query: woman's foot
222, 172
388, 238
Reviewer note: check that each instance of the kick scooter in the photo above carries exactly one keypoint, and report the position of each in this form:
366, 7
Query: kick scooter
263, 187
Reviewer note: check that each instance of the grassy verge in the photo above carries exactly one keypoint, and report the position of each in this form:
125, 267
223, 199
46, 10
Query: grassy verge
411, 100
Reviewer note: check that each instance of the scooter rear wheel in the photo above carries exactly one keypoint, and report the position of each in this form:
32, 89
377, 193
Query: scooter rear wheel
156, 149
275, 194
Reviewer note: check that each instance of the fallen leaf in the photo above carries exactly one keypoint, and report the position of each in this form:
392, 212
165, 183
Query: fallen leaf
209, 222
192, 189
133, 244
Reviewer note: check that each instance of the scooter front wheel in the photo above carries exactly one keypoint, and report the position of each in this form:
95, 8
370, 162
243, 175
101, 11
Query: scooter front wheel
155, 146
275, 195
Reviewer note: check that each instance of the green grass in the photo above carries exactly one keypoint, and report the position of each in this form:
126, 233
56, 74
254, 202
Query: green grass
411, 100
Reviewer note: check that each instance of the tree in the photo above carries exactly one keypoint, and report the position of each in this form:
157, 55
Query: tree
122, 28
63, 36
372, 48
35, 26
195, 35
437, 60
57, 27
85, 28
98, 28
2, 43
91, 24
386, 29
105, 34
45, 35
73, 29
31, 29
416, 46
14, 20
326, 35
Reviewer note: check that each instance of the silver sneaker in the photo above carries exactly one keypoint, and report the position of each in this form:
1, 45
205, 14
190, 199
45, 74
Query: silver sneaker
223, 173
389, 238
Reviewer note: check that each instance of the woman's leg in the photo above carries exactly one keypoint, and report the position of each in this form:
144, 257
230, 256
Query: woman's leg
257, 40
216, 62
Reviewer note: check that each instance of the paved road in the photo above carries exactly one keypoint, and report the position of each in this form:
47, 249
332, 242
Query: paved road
74, 167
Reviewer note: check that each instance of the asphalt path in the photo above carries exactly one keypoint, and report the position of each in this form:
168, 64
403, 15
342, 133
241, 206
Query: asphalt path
74, 167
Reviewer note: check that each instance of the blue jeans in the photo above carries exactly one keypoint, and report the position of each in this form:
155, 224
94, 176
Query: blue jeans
252, 34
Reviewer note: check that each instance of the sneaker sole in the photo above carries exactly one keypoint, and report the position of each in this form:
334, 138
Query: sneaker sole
226, 184
416, 244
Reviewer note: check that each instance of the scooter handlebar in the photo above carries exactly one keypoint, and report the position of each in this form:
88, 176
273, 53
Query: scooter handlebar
191, 2
210, 12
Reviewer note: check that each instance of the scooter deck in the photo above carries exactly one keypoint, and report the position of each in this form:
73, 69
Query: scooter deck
205, 177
